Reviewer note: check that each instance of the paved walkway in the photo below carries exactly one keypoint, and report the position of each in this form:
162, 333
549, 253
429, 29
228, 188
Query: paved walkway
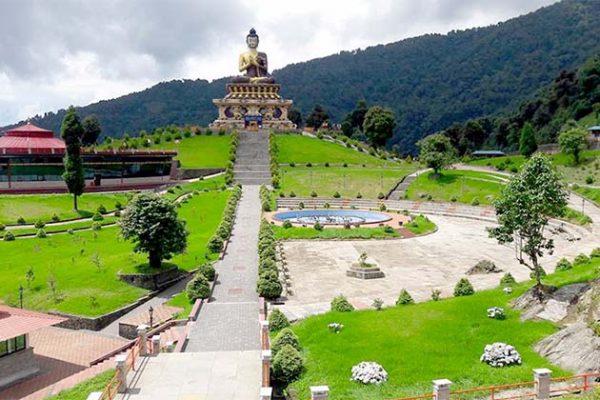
230, 320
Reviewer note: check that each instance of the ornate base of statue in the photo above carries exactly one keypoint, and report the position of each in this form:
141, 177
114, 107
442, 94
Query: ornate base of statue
253, 106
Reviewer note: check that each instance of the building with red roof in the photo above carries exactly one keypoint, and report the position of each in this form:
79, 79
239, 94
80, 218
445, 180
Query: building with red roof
17, 360
31, 159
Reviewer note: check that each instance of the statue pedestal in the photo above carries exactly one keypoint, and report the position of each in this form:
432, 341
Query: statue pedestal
253, 106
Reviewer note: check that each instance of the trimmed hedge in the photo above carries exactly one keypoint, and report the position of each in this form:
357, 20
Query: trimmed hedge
341, 303
277, 320
268, 285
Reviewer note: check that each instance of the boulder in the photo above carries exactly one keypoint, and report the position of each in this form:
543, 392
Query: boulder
483, 267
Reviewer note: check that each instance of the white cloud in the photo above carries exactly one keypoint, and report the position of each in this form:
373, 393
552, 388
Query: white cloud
54, 53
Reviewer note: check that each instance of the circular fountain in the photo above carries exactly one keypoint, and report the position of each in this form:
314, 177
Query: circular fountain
332, 217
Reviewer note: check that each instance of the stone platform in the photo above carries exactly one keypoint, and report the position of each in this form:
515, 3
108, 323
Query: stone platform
253, 106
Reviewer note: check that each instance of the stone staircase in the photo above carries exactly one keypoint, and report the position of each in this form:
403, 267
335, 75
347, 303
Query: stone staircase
399, 191
252, 166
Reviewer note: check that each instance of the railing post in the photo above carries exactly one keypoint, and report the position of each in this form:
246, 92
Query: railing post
155, 345
264, 334
542, 376
441, 389
142, 331
265, 393
319, 392
121, 360
265, 356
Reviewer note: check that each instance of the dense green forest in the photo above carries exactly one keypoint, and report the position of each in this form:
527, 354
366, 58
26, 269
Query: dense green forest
572, 95
430, 82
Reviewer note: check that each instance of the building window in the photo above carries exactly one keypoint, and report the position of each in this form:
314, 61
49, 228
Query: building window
12, 345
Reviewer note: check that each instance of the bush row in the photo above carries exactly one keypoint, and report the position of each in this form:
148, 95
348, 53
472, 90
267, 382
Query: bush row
273, 152
199, 286
265, 198
268, 285
215, 244
235, 140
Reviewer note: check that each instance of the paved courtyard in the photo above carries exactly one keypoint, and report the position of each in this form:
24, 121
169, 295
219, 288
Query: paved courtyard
438, 260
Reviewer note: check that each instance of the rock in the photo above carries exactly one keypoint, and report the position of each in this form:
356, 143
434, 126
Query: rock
500, 355
368, 372
484, 267
556, 304
574, 348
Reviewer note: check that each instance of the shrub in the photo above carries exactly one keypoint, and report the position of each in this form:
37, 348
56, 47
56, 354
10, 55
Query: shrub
55, 218
286, 337
277, 320
96, 226
508, 280
39, 224
589, 179
292, 164
337, 195
563, 265
381, 196
41, 234
318, 226
117, 213
292, 194
341, 303
309, 164
463, 288
287, 365
2, 227
345, 165
475, 201
595, 253
9, 236
198, 288
327, 164
269, 287
542, 273
388, 229
378, 304
301, 205
382, 207
101, 209
71, 231
436, 294
404, 298
287, 224
208, 271
359, 195
215, 244
97, 217
581, 259
313, 194
21, 221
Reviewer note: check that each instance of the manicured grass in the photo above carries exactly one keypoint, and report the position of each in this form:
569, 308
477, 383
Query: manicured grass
200, 151
201, 185
82, 390
591, 193
589, 165
325, 181
456, 185
420, 225
72, 261
76, 225
181, 300
300, 149
34, 207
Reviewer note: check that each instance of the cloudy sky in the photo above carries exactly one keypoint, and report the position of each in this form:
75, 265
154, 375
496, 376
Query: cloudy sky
54, 53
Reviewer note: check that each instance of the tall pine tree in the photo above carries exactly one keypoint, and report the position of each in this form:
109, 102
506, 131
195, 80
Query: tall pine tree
71, 131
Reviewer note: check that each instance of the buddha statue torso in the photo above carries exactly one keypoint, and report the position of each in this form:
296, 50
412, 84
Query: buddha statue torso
253, 63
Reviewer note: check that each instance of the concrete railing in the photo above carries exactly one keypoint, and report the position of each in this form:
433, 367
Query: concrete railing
266, 391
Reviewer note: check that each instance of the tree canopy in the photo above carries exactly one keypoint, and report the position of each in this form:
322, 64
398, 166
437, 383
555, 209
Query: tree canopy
71, 132
572, 142
91, 130
317, 117
527, 141
436, 152
378, 125
151, 223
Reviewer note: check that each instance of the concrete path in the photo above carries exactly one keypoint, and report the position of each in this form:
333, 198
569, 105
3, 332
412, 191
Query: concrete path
230, 320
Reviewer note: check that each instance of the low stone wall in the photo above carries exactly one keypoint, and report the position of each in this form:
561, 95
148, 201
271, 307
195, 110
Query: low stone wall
190, 173
152, 281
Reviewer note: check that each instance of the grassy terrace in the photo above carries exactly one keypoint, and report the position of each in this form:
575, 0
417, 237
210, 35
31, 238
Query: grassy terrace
300, 149
457, 185
325, 181
426, 341
591, 193
590, 165
34, 207
85, 265
82, 390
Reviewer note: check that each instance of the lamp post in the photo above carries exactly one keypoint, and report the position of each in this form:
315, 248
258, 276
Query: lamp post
150, 313
582, 205
21, 295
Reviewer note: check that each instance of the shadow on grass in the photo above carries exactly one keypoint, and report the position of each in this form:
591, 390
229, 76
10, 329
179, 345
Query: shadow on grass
145, 268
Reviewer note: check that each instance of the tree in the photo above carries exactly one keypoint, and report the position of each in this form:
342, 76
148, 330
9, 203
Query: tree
572, 142
91, 130
355, 119
317, 117
379, 125
436, 151
527, 142
295, 116
71, 131
524, 208
151, 223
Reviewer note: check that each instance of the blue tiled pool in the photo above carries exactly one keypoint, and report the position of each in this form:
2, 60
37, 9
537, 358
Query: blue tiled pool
331, 217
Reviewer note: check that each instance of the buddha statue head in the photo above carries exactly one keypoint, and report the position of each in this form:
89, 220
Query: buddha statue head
252, 39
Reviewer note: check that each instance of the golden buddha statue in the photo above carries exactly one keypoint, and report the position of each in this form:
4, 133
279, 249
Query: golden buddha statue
253, 63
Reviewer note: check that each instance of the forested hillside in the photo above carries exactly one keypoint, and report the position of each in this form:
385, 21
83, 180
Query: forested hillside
431, 82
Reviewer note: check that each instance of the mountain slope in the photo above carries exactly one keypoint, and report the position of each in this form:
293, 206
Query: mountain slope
430, 81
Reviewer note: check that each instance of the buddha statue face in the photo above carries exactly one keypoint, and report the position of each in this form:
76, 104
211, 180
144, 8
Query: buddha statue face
252, 39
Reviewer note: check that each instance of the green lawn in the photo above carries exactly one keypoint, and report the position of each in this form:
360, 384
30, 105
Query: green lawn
425, 341
34, 207
325, 181
82, 390
300, 149
457, 185
589, 166
72, 261
76, 225
201, 185
591, 193
200, 151
181, 300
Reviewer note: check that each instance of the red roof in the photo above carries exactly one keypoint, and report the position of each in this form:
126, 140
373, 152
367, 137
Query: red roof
16, 322
30, 139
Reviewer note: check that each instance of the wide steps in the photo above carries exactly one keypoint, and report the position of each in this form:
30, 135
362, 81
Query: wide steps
252, 166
